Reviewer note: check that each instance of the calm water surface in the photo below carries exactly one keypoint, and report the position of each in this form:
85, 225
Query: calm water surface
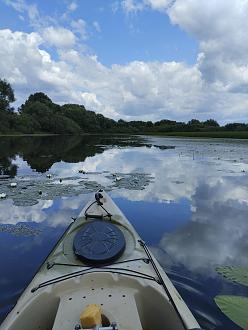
191, 210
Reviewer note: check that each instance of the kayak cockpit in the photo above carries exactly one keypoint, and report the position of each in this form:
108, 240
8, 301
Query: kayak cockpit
134, 306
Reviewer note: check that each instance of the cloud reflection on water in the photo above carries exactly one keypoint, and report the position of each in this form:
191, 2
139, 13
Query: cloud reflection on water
199, 191
53, 213
217, 233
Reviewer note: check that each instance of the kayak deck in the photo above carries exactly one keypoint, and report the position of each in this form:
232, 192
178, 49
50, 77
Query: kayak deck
129, 290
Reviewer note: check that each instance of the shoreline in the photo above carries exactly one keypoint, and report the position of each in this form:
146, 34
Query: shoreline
216, 135
205, 135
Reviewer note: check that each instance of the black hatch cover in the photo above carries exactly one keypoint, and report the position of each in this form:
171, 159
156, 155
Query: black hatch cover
99, 242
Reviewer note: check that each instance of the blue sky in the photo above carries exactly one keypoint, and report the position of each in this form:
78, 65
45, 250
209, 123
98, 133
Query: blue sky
130, 59
146, 36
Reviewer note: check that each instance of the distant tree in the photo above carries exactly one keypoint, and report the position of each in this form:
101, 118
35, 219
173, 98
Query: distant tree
6, 95
194, 122
40, 114
236, 127
211, 123
122, 122
194, 125
149, 124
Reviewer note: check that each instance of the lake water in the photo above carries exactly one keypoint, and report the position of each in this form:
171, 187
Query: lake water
187, 198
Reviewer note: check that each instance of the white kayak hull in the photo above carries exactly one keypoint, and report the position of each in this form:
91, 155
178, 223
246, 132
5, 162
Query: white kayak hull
129, 291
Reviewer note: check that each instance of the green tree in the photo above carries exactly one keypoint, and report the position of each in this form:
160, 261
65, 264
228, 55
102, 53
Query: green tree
27, 124
40, 98
236, 127
63, 125
6, 95
194, 122
211, 123
77, 113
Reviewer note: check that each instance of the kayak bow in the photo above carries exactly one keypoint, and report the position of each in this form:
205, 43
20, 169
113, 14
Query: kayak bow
101, 260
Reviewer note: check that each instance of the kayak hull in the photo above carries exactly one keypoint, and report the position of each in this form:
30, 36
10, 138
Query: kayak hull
130, 291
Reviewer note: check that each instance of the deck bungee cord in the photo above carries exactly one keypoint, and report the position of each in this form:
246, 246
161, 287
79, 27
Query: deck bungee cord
120, 271
52, 264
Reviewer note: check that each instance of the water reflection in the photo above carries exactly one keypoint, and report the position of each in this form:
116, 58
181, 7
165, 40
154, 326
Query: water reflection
20, 257
217, 233
7, 169
41, 152
192, 213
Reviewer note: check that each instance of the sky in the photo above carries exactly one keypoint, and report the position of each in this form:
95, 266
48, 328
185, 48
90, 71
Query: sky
130, 59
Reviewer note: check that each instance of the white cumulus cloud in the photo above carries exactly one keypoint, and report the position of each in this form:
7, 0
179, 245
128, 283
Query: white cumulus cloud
58, 37
221, 29
215, 86
136, 90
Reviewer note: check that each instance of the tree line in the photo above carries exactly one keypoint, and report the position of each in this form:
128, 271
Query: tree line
40, 115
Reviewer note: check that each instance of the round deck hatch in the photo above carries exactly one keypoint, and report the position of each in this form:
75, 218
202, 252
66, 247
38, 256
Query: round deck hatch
99, 242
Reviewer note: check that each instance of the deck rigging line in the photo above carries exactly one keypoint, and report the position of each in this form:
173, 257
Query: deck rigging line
89, 270
50, 265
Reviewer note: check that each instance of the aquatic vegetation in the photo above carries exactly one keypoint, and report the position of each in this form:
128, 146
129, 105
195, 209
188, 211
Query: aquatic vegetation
130, 181
234, 307
234, 274
29, 190
19, 229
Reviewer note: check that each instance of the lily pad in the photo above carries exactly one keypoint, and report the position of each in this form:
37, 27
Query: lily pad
19, 229
234, 307
30, 190
234, 274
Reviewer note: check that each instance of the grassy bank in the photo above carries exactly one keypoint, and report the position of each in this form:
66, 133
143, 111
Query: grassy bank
224, 134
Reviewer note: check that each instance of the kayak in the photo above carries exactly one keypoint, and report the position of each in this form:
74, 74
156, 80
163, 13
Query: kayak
100, 266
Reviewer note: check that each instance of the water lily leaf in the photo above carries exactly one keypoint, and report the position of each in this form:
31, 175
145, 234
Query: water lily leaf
234, 307
234, 274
